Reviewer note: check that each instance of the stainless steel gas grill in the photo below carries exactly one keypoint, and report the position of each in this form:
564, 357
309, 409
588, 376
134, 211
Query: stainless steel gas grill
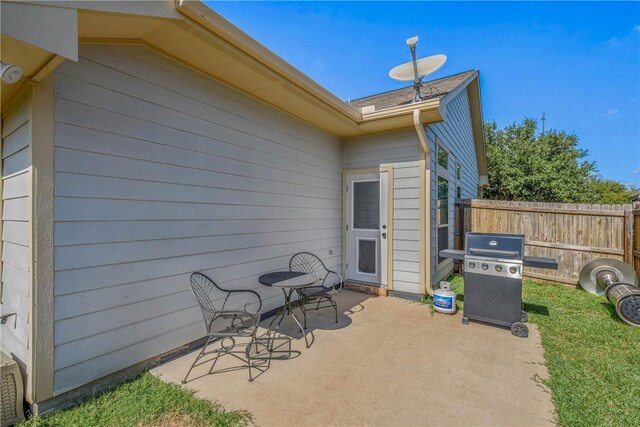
493, 266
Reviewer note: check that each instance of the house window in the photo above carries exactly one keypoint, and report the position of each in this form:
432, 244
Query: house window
442, 216
443, 157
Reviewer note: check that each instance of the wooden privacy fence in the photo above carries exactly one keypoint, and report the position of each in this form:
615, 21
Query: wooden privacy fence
573, 234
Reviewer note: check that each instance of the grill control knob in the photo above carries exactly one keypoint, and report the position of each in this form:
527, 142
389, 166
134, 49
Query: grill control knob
513, 269
498, 268
472, 265
485, 266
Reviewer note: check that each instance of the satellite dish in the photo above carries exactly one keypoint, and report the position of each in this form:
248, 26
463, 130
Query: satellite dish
416, 70
426, 66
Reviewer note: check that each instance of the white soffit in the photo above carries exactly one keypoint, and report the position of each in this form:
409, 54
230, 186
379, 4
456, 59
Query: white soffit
54, 29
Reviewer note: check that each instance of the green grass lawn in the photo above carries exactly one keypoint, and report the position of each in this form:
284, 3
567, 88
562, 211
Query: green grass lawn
144, 401
593, 358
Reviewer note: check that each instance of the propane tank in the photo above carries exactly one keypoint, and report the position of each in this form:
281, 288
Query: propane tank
444, 299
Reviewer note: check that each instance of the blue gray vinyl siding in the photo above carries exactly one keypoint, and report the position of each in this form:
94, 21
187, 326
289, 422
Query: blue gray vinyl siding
406, 227
456, 135
371, 151
16, 159
159, 172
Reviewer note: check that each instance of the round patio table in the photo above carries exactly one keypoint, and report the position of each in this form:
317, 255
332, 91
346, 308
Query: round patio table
288, 281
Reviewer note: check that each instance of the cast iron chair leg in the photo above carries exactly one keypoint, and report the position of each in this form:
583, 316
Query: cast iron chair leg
335, 308
304, 315
214, 362
184, 381
254, 343
279, 317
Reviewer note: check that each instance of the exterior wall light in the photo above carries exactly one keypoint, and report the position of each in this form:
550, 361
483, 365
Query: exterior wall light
11, 73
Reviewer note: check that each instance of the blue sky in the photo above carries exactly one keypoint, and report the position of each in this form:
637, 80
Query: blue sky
577, 62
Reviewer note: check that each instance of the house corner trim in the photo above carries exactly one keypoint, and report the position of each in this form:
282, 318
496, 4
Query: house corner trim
41, 344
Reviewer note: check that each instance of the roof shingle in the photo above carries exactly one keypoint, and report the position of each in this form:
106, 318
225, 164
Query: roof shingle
430, 90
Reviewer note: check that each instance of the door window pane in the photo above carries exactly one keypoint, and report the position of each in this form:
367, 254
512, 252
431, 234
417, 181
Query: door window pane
366, 205
367, 256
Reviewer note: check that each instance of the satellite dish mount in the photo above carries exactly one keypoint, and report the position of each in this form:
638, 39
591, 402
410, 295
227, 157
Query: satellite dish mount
417, 80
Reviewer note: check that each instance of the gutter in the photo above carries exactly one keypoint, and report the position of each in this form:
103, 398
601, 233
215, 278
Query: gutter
431, 105
422, 135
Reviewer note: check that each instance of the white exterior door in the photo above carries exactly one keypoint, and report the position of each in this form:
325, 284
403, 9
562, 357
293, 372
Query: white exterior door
367, 202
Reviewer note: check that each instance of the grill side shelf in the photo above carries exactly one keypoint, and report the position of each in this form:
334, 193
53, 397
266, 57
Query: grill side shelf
452, 253
540, 262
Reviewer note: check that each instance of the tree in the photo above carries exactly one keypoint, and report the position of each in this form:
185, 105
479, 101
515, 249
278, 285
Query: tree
607, 191
547, 167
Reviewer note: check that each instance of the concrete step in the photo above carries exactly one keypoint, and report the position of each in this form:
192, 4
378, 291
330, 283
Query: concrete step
367, 289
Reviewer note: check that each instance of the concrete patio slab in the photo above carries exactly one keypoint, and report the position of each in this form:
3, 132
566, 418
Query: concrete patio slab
387, 361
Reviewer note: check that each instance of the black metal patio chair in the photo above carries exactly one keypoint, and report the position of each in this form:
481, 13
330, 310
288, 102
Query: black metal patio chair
225, 325
329, 283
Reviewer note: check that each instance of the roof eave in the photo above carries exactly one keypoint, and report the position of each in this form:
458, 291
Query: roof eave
400, 117
352, 121
430, 104
196, 32
212, 21
475, 108
472, 85
449, 96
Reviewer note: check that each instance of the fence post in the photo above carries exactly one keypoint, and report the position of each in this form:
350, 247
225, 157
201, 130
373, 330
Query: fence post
635, 238
457, 230
628, 236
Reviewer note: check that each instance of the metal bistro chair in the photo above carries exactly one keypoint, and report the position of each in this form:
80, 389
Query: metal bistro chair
225, 325
329, 283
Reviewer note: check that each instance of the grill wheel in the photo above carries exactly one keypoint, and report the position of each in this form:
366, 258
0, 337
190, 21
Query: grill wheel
519, 329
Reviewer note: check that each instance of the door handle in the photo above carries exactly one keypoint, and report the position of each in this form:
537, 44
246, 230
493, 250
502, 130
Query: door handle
384, 235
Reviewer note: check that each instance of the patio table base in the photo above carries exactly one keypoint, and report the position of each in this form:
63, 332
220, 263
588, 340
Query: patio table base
288, 309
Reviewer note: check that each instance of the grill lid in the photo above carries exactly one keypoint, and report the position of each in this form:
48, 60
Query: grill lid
495, 245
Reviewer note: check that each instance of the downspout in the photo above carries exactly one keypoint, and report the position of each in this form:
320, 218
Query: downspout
422, 135
425, 203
